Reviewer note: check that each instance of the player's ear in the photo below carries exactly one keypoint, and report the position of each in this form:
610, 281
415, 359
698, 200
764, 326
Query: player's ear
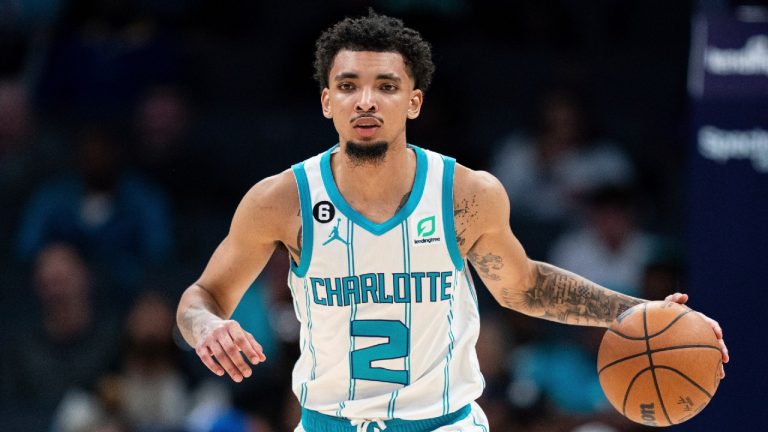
325, 102
414, 105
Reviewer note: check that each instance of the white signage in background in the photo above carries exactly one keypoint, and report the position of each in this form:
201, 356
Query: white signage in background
752, 59
722, 145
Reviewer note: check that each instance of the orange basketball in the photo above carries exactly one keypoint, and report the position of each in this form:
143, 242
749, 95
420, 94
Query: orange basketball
659, 363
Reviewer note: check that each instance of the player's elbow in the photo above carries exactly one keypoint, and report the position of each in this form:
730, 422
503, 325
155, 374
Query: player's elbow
522, 294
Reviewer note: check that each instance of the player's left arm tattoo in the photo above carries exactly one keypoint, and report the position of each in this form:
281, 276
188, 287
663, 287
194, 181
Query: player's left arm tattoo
464, 214
559, 295
487, 265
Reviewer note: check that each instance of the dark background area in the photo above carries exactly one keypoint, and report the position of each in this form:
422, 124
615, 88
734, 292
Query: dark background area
157, 117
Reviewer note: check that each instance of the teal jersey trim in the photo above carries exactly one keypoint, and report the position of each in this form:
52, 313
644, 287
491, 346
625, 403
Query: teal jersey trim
377, 229
474, 421
448, 357
405, 236
312, 376
449, 165
318, 422
353, 306
307, 234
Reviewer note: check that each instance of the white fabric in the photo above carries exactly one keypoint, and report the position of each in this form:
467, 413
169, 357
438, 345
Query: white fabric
443, 332
362, 425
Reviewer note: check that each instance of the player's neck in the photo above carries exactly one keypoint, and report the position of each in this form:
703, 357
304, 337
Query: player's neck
379, 183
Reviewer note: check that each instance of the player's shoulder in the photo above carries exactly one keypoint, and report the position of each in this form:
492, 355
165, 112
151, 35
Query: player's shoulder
275, 195
477, 184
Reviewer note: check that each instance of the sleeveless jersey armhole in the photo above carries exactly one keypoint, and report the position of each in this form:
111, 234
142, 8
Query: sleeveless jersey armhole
307, 235
449, 164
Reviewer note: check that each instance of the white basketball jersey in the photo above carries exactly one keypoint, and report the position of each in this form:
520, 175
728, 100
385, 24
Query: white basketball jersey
389, 315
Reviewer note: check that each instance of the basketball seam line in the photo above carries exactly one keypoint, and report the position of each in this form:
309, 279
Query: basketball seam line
629, 388
615, 362
703, 390
677, 318
650, 360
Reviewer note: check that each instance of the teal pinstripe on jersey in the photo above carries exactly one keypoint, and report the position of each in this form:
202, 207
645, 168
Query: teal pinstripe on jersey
388, 313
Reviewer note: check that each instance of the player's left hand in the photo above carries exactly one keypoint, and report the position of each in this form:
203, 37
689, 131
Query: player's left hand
681, 299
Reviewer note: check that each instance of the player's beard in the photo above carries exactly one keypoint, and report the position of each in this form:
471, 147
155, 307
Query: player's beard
366, 153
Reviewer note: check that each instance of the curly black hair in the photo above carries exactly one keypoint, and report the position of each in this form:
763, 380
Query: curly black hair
379, 33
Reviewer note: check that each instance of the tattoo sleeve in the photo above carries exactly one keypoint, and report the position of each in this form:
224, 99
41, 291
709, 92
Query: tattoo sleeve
464, 214
559, 295
486, 265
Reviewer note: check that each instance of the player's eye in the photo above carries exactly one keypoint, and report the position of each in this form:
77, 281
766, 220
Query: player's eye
345, 86
388, 87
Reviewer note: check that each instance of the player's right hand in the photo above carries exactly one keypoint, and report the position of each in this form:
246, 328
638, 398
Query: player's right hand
222, 346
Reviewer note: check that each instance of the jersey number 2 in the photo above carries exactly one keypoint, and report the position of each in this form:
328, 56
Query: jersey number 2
396, 347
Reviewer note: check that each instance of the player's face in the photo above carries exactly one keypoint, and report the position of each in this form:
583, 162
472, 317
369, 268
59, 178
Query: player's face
370, 97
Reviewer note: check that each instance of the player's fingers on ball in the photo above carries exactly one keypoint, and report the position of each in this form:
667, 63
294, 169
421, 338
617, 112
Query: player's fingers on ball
724, 350
206, 356
722, 372
677, 298
674, 297
256, 346
223, 358
233, 352
244, 344
715, 326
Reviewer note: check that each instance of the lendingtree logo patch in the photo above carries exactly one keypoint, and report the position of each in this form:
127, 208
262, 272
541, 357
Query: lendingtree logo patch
425, 231
426, 226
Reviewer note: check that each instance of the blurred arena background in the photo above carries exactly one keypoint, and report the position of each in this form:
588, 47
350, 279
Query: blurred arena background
631, 136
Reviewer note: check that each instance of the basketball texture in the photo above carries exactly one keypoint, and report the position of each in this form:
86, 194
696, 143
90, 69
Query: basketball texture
659, 363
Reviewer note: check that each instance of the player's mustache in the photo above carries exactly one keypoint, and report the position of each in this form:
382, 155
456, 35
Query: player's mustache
381, 120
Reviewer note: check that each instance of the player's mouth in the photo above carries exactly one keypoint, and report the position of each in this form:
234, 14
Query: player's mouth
366, 131
366, 126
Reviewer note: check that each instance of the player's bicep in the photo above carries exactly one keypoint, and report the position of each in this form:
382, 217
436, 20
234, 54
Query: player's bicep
497, 255
502, 264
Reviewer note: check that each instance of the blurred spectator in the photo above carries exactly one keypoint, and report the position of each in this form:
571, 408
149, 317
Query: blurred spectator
253, 410
561, 370
163, 148
70, 344
29, 15
662, 276
27, 153
609, 249
16, 117
115, 216
149, 391
545, 172
106, 54
493, 347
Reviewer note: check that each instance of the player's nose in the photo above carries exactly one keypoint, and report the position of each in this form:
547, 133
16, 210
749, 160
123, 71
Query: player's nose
366, 101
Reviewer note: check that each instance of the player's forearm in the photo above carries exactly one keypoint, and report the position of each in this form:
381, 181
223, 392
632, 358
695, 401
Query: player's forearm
559, 295
196, 314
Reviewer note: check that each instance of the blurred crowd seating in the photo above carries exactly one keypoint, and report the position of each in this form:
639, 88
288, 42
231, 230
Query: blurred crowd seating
129, 130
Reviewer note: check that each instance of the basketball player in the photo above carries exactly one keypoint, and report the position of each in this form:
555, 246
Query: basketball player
379, 233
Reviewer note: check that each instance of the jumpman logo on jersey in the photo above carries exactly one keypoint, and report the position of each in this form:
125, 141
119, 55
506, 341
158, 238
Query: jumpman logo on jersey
334, 235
